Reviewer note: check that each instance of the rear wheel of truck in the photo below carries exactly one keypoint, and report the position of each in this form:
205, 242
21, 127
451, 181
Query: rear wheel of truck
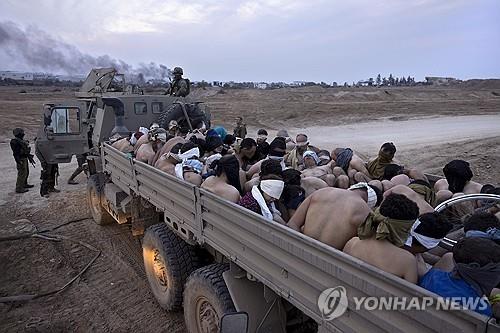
206, 299
168, 261
95, 190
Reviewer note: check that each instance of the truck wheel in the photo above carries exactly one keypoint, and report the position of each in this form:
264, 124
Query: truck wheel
168, 261
174, 112
206, 299
95, 189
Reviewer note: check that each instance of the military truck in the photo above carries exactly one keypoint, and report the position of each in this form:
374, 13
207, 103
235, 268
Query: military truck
228, 268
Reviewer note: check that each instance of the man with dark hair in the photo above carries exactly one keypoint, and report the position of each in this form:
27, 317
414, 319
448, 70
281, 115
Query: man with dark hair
376, 167
332, 215
22, 153
382, 234
309, 184
475, 274
277, 150
262, 145
427, 232
423, 206
267, 167
226, 182
245, 152
458, 175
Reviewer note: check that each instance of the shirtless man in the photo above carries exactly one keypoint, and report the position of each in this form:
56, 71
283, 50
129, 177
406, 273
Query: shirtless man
332, 215
189, 168
458, 181
127, 144
167, 147
350, 164
267, 167
309, 184
324, 172
167, 162
226, 182
148, 151
145, 138
382, 234
423, 206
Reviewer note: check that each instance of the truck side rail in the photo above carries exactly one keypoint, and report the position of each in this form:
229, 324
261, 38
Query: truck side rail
296, 267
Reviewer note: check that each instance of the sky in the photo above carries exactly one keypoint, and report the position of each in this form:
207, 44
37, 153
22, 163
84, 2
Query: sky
266, 40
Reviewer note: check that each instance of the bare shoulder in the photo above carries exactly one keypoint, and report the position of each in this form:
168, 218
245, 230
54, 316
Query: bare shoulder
208, 181
350, 245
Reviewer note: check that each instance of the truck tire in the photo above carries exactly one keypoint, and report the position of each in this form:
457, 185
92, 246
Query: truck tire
206, 299
174, 112
95, 190
168, 261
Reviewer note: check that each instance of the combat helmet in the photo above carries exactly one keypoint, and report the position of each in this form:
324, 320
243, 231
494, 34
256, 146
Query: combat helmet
178, 71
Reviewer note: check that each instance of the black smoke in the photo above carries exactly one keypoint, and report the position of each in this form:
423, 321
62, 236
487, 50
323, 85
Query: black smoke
42, 52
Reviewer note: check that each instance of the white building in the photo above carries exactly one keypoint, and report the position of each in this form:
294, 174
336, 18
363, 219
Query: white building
18, 76
261, 85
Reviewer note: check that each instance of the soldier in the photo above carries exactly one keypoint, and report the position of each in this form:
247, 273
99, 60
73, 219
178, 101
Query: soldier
22, 153
240, 131
48, 175
179, 87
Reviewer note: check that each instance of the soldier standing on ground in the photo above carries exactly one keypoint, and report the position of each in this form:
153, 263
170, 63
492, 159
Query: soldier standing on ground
22, 153
240, 131
179, 86
48, 175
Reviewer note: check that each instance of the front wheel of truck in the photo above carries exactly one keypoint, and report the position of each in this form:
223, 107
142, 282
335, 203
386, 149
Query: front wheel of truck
168, 261
206, 299
95, 189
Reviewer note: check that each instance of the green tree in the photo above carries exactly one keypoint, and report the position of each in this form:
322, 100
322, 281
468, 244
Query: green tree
379, 80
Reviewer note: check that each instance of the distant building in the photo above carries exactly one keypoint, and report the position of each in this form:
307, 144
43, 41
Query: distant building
18, 76
439, 81
298, 83
261, 85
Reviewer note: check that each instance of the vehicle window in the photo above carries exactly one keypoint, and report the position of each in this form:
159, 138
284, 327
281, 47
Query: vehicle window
140, 108
65, 120
157, 107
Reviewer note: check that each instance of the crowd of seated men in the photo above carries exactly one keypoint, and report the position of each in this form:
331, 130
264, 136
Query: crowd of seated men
371, 209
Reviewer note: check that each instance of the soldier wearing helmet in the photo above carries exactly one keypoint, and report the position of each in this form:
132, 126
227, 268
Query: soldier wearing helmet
179, 87
22, 153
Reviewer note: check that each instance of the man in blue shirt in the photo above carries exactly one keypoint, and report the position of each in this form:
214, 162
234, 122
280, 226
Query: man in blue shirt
476, 273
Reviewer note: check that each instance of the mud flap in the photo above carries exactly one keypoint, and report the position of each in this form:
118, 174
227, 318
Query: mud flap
265, 309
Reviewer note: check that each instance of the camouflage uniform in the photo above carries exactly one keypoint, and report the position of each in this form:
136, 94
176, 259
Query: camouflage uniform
240, 130
22, 152
179, 86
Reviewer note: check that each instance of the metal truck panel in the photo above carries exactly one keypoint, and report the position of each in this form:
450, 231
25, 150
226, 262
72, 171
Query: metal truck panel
296, 267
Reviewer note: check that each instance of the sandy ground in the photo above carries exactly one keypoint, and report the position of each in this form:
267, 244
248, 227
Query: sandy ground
429, 126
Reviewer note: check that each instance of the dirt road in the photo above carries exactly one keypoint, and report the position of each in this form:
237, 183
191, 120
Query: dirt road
411, 134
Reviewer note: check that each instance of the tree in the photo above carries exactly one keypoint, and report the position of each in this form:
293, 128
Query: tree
334, 84
396, 83
346, 85
379, 80
384, 81
391, 80
370, 81
403, 81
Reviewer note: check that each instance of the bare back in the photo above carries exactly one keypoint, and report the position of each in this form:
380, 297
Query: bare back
385, 256
145, 153
221, 188
331, 216
167, 147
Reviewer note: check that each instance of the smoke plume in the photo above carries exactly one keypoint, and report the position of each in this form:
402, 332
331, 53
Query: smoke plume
42, 52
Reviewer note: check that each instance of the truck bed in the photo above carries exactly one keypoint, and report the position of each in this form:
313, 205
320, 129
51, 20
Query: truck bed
294, 266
